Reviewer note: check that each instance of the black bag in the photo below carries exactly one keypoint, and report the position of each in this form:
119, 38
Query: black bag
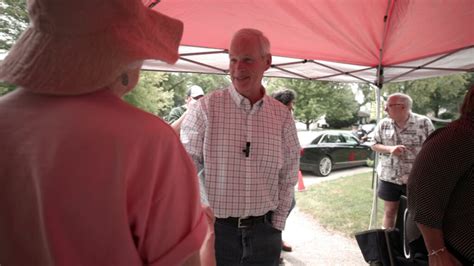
379, 246
385, 247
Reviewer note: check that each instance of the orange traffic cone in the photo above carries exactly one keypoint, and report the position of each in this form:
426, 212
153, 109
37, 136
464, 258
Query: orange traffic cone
300, 181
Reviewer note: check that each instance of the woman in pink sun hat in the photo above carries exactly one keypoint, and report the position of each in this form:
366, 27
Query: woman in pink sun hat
85, 178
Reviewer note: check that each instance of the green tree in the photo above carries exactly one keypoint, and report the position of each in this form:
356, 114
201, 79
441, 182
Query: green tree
470, 79
178, 83
209, 82
342, 107
309, 105
159, 92
13, 21
368, 93
6, 88
433, 95
318, 98
149, 95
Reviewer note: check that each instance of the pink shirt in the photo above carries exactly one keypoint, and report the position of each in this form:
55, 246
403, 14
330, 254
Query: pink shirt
91, 180
215, 132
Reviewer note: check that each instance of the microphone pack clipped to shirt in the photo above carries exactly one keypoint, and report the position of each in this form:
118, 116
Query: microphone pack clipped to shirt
247, 149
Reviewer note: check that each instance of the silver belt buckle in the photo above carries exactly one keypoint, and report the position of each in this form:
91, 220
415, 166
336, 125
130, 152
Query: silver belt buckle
239, 223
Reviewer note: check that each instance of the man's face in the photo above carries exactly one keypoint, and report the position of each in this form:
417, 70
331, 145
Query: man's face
396, 108
247, 64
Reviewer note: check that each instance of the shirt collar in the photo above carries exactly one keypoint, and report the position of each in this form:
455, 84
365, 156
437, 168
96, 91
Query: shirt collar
244, 103
411, 120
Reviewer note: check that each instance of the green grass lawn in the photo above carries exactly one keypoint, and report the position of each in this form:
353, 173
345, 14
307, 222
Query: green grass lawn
341, 205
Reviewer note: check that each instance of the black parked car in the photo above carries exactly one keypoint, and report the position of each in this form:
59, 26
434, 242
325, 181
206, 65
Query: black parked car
323, 151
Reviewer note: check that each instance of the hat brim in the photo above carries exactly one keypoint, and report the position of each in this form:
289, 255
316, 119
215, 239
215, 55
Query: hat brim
70, 65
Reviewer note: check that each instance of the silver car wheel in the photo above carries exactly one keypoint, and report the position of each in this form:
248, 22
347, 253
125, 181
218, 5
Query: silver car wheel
325, 166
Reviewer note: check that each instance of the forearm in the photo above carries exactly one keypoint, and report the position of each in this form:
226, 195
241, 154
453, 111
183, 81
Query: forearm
176, 125
438, 254
433, 237
382, 148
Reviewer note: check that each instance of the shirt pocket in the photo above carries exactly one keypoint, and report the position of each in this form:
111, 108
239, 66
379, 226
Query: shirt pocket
388, 137
270, 151
415, 140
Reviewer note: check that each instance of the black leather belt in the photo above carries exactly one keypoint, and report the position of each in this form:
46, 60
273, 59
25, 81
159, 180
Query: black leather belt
245, 222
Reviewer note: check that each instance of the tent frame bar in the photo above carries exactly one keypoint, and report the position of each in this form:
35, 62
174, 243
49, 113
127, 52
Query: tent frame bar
224, 71
379, 68
436, 68
290, 72
341, 72
430, 62
304, 61
346, 73
225, 51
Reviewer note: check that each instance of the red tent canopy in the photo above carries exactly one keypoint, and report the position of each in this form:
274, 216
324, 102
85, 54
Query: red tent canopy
373, 41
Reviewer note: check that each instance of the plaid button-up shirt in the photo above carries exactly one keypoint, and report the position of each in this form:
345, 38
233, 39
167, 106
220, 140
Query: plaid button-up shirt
215, 132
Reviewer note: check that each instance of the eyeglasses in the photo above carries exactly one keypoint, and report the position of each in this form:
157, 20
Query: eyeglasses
392, 105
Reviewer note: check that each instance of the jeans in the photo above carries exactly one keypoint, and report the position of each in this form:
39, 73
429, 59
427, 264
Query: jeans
259, 244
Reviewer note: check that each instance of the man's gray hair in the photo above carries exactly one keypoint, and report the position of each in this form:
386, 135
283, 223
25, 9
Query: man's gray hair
406, 99
262, 39
285, 96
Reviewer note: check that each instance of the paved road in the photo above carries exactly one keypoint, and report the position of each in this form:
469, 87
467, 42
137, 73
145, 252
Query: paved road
314, 245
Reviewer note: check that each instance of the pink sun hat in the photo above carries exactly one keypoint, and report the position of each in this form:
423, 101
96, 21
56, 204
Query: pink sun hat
77, 47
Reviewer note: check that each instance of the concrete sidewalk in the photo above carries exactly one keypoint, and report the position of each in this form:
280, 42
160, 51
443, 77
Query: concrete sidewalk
314, 245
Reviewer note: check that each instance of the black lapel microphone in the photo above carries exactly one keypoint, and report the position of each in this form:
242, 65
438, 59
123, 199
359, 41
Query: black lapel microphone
247, 149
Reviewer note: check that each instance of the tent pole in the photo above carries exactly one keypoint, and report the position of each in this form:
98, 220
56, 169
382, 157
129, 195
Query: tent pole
373, 213
379, 83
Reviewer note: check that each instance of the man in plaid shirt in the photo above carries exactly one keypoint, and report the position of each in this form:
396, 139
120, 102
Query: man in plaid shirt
246, 142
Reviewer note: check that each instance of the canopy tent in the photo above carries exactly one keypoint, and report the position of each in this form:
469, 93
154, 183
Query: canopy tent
370, 41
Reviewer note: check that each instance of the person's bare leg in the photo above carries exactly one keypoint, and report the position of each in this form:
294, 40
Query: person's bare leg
390, 214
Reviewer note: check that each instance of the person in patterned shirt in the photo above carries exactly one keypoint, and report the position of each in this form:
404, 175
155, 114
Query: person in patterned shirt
441, 190
398, 139
246, 142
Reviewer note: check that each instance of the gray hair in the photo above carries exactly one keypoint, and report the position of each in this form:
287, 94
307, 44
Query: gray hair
262, 39
285, 96
406, 99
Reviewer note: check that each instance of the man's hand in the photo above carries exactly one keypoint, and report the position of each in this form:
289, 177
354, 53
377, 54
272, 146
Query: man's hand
397, 150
